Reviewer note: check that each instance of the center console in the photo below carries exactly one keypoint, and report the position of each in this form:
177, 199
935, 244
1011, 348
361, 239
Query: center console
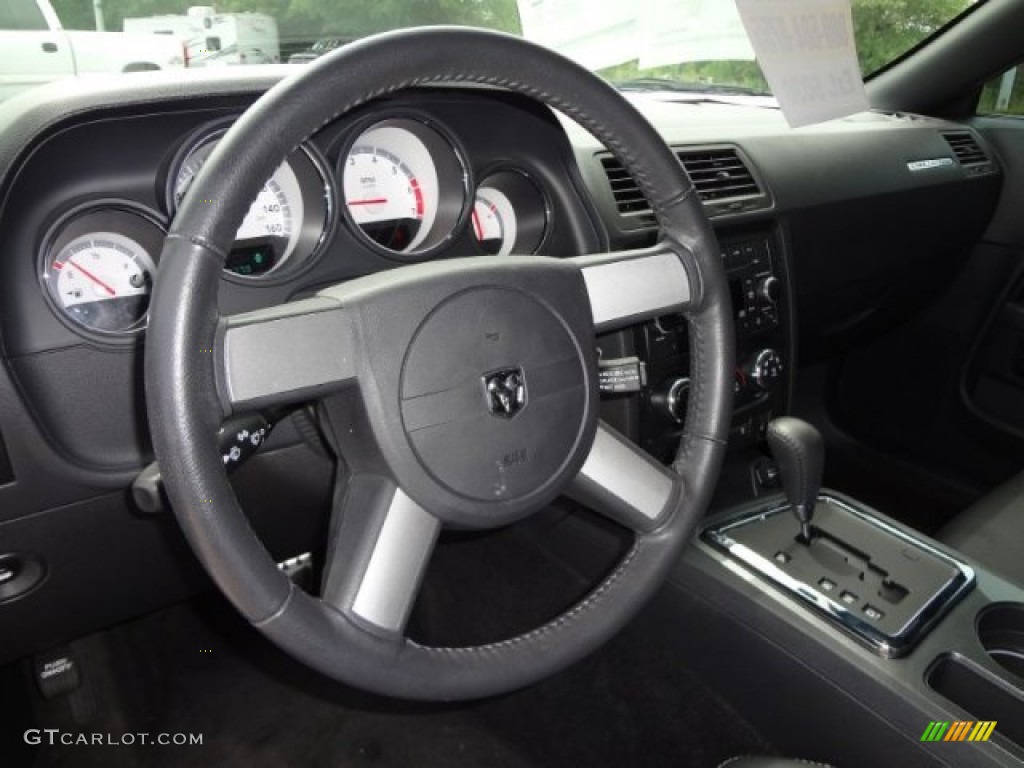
846, 635
874, 582
849, 637
755, 266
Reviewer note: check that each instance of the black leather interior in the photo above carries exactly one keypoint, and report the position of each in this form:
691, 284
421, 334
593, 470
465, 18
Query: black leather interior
992, 530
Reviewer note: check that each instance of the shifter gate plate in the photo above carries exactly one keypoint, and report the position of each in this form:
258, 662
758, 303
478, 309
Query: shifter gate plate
878, 583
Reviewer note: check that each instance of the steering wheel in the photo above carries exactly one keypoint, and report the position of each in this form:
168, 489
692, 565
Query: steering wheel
460, 392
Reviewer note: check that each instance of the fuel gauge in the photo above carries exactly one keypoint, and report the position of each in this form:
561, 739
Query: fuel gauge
99, 268
102, 280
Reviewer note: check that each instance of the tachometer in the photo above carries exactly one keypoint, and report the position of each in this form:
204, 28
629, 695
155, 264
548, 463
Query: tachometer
404, 186
385, 197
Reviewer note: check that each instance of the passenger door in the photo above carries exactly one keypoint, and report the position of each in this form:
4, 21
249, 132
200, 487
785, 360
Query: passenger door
994, 383
935, 406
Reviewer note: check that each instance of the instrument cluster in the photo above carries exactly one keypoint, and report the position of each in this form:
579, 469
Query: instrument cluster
400, 184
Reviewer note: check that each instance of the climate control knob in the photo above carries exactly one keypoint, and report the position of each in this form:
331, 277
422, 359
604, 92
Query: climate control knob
766, 368
672, 399
768, 289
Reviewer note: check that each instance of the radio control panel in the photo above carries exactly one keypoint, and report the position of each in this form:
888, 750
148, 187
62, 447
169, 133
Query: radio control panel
756, 285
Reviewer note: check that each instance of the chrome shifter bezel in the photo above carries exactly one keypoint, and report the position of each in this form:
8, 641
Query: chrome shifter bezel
887, 645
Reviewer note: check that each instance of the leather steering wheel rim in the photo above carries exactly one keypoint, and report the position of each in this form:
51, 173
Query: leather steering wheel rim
185, 394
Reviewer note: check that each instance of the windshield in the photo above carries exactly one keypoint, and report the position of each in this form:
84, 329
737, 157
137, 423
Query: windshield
654, 45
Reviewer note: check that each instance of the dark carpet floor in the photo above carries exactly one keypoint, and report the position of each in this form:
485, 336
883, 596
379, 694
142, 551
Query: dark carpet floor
197, 668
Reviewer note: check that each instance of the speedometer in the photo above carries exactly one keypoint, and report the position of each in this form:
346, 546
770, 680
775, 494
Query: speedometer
268, 233
287, 221
405, 186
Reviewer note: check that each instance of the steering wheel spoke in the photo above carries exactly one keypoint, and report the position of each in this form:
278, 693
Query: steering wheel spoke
627, 287
379, 548
625, 484
287, 354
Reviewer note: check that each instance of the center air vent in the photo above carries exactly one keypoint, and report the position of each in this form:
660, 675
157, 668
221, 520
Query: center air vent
966, 148
718, 174
723, 181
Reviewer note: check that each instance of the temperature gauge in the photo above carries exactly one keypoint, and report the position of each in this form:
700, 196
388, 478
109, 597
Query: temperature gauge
510, 214
494, 221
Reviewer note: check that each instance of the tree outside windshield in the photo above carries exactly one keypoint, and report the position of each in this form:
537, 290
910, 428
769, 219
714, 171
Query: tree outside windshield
884, 29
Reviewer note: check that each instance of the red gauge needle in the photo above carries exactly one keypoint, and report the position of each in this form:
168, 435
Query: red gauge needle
369, 201
476, 226
93, 277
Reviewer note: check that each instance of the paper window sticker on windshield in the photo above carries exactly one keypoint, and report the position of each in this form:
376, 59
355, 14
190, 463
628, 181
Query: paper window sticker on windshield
808, 56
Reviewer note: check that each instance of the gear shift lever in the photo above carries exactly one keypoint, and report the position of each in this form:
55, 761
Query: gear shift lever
799, 450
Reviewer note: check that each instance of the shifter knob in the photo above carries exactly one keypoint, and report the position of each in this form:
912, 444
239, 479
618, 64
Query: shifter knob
799, 450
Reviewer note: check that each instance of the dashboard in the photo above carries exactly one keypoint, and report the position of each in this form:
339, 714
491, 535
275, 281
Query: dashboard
828, 234
438, 175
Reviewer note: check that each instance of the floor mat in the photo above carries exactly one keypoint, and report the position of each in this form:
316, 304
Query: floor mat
197, 668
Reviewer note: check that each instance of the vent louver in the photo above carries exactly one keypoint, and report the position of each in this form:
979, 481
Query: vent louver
628, 197
722, 179
719, 174
966, 148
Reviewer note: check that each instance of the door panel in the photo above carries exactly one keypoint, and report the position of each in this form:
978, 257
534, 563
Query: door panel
994, 380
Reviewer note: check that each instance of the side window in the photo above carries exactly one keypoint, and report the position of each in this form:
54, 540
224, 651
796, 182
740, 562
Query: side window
21, 15
1004, 95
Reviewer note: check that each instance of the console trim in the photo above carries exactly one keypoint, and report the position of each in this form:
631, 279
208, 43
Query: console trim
770, 575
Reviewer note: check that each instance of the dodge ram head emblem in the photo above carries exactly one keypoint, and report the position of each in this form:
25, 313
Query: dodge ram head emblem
505, 391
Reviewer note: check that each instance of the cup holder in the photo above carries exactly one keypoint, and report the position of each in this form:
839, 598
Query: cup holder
1001, 631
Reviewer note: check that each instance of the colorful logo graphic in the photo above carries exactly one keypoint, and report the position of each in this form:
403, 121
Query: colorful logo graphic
961, 730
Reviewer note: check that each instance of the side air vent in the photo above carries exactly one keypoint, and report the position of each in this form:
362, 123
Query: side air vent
966, 148
628, 197
721, 176
718, 174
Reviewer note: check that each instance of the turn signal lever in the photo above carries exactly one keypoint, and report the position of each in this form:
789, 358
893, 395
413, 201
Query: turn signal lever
238, 438
799, 450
